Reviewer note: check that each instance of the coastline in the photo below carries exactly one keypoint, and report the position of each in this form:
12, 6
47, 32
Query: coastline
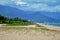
50, 26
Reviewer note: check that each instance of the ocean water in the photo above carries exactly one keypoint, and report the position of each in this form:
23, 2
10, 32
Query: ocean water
50, 24
54, 24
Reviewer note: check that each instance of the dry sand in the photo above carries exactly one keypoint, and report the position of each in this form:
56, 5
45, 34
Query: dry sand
28, 33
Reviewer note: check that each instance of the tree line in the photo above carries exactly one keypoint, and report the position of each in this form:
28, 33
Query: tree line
5, 20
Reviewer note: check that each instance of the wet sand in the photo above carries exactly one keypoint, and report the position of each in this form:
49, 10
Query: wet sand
50, 26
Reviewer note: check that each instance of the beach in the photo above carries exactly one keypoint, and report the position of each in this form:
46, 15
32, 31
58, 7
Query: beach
29, 33
50, 26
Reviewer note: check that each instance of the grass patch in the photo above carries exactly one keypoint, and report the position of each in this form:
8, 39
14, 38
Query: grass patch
20, 24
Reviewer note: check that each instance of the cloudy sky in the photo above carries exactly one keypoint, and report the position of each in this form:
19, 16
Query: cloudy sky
33, 5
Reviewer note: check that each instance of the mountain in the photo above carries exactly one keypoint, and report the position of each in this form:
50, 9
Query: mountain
43, 17
38, 17
54, 15
12, 12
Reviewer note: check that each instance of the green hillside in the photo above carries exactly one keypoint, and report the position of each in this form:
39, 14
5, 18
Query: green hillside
14, 21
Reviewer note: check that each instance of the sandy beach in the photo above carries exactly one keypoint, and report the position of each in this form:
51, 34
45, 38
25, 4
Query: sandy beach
50, 26
29, 33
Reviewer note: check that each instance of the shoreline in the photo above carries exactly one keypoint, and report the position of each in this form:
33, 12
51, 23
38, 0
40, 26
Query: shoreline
50, 26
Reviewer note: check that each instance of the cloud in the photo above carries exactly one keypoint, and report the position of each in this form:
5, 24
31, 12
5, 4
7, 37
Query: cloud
38, 5
41, 1
3, 2
19, 2
34, 5
41, 7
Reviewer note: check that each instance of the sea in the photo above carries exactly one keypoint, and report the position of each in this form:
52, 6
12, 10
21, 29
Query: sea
53, 24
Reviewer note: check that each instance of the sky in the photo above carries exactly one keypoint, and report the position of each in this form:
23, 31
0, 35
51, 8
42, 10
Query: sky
33, 5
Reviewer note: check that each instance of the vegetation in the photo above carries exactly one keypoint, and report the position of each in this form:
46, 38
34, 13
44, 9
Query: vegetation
13, 21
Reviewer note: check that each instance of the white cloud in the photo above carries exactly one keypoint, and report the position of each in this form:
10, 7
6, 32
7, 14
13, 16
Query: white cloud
19, 2
41, 1
37, 6
41, 7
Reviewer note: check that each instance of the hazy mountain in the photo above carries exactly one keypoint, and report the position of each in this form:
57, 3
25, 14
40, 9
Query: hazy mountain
47, 17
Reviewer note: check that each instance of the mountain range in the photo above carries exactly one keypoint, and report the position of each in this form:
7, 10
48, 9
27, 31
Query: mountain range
37, 16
